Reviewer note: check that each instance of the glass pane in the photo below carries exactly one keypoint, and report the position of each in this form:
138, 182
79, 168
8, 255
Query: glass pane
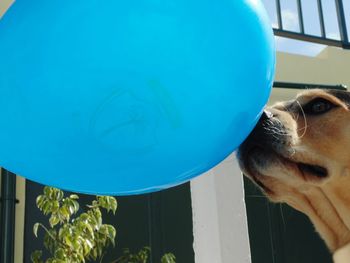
290, 18
330, 19
311, 18
270, 6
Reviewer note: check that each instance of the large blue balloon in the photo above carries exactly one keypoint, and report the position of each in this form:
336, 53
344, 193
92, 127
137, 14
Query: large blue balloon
124, 97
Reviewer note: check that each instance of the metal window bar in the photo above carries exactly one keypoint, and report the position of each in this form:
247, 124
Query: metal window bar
300, 17
321, 18
322, 39
342, 21
279, 14
294, 85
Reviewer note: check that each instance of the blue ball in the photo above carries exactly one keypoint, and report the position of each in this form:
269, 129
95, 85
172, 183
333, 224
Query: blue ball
127, 97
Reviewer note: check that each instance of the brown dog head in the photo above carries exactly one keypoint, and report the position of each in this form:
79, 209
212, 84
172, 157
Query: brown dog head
299, 153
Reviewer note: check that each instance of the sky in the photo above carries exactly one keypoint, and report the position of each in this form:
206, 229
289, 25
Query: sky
311, 23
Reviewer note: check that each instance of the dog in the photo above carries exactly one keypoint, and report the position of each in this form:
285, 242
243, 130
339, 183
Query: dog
299, 154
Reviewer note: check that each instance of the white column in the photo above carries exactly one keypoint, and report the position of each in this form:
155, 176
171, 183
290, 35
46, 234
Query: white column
219, 216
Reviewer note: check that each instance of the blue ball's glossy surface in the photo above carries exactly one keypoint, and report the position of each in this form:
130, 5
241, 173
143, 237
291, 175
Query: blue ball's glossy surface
124, 97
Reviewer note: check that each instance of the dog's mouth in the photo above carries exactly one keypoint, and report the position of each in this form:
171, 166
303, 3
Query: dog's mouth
260, 162
312, 170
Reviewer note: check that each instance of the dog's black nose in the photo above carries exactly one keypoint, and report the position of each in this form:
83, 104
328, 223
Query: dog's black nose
266, 115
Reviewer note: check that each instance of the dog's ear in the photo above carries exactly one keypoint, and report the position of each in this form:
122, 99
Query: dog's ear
342, 95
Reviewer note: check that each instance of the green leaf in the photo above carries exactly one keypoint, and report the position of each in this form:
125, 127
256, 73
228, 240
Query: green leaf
55, 194
36, 256
46, 207
111, 234
74, 196
107, 202
103, 230
89, 229
60, 254
47, 190
89, 243
59, 195
55, 206
67, 240
84, 217
64, 213
54, 220
35, 229
114, 205
76, 206
39, 201
71, 209
168, 258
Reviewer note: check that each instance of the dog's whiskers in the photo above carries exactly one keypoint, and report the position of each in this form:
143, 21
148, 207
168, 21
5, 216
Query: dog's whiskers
272, 129
305, 121
275, 131
294, 115
297, 116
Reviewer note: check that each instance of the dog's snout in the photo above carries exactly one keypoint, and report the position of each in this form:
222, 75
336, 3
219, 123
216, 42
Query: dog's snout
263, 116
269, 134
266, 115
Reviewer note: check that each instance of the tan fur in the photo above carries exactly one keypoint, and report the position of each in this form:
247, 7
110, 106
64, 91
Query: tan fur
318, 140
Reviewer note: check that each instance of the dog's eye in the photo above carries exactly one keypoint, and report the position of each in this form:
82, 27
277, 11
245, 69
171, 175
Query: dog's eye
318, 106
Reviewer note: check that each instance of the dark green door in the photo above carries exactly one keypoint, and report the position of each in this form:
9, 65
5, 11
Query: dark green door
160, 220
